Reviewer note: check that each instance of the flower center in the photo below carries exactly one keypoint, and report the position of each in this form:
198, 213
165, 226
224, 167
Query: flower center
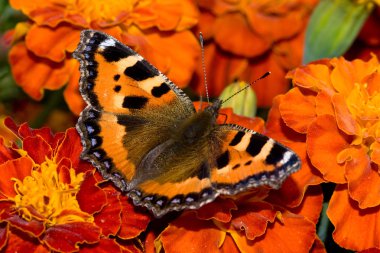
365, 107
45, 192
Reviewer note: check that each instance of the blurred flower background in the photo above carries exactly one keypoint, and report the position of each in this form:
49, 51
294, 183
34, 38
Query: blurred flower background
321, 99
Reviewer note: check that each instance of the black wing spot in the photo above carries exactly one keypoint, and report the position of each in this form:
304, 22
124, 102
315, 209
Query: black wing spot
158, 91
116, 77
248, 163
141, 71
237, 139
117, 88
275, 154
223, 160
134, 102
115, 53
236, 166
256, 143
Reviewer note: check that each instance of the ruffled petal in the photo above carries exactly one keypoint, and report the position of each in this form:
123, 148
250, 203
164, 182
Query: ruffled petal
298, 109
361, 172
323, 152
244, 41
67, 237
133, 220
355, 228
192, 236
17, 168
34, 74
220, 210
297, 234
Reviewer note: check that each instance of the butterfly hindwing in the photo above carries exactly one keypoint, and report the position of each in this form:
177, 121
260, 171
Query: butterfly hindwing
250, 159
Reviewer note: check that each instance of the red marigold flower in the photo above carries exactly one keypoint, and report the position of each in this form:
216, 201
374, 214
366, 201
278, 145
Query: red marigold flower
244, 38
252, 221
41, 59
333, 114
50, 199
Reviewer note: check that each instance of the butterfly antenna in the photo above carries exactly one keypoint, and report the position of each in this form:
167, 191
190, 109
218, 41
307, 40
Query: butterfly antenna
248, 85
203, 65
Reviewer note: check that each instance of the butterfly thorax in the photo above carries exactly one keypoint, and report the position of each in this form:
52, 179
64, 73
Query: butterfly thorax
199, 125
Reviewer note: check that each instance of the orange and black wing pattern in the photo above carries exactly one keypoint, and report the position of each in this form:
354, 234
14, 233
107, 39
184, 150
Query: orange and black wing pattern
130, 106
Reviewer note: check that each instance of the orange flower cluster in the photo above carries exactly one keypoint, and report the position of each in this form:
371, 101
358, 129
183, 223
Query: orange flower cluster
332, 119
50, 199
248, 38
41, 57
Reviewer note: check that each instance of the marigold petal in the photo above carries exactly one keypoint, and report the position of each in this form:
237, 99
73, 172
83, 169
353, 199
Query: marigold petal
318, 246
229, 245
70, 147
311, 205
244, 41
166, 15
109, 218
34, 74
315, 77
33, 227
91, 198
4, 230
19, 242
345, 73
274, 27
219, 209
324, 104
297, 234
360, 171
6, 153
253, 219
52, 43
344, 118
133, 220
355, 228
375, 154
17, 168
187, 232
38, 149
71, 93
67, 237
103, 246
323, 151
298, 109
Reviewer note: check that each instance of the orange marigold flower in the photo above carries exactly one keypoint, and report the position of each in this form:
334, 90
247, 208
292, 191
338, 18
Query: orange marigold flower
41, 58
50, 199
334, 114
252, 221
247, 38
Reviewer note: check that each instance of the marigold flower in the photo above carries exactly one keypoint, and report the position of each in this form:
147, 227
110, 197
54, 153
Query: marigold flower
50, 199
333, 114
246, 38
41, 59
252, 221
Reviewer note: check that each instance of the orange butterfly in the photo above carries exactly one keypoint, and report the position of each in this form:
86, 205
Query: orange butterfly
142, 132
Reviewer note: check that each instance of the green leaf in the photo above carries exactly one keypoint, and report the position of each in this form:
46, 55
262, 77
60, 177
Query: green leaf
333, 27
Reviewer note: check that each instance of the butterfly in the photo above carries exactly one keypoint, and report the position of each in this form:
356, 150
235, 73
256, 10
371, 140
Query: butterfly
143, 133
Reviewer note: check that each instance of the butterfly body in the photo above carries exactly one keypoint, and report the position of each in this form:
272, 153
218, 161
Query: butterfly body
143, 133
